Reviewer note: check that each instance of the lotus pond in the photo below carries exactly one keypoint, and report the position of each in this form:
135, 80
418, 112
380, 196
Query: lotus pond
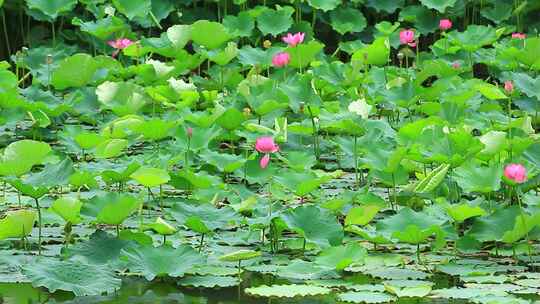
300, 151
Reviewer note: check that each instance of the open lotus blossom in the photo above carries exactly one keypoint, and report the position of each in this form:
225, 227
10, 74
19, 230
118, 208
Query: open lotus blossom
293, 39
509, 86
281, 59
445, 24
267, 146
119, 44
518, 36
516, 173
407, 37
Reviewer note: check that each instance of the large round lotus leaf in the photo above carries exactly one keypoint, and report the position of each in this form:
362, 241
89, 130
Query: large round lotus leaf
179, 35
212, 217
440, 5
287, 291
396, 273
74, 72
68, 208
111, 208
366, 297
461, 212
342, 256
79, 278
303, 54
408, 288
100, 249
209, 281
388, 6
377, 53
132, 9
241, 25
17, 223
54, 174
240, 255
324, 5
122, 98
315, 225
210, 34
527, 84
275, 22
161, 261
345, 20
20, 156
151, 177
472, 177
162, 227
52, 8
302, 270
475, 37
110, 148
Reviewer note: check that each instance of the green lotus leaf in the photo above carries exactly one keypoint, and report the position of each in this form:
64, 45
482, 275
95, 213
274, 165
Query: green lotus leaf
498, 13
74, 276
150, 177
179, 35
224, 162
209, 34
362, 215
132, 9
388, 6
347, 20
303, 54
110, 148
102, 28
154, 129
315, 225
523, 224
365, 297
224, 56
474, 37
465, 293
241, 25
472, 177
287, 291
490, 91
494, 226
324, 5
52, 9
231, 119
461, 212
28, 189
111, 208
68, 208
392, 273
114, 176
368, 234
74, 72
196, 224
211, 216
154, 262
408, 288
240, 255
88, 140
101, 248
52, 175
302, 270
162, 227
342, 256
275, 22
209, 281
527, 84
431, 181
122, 98
20, 156
377, 53
439, 5
17, 223
212, 270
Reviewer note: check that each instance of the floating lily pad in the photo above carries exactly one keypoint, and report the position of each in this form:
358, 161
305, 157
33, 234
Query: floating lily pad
209, 281
287, 291
366, 297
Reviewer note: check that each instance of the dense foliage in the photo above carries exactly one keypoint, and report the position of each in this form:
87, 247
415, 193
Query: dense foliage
311, 142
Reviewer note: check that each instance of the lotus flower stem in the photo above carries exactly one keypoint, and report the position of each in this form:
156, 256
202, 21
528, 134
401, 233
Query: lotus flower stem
355, 153
315, 139
510, 127
6, 36
522, 215
39, 225
201, 242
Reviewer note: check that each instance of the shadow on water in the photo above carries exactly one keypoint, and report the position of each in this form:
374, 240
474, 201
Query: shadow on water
138, 290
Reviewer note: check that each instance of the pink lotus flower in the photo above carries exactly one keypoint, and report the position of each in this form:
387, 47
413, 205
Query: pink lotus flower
456, 65
281, 59
267, 146
119, 44
518, 36
508, 86
445, 24
516, 173
407, 37
293, 40
189, 132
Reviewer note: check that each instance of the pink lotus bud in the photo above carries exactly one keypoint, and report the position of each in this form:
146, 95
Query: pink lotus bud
456, 65
189, 132
265, 160
445, 24
518, 36
406, 36
293, 40
281, 59
509, 86
266, 145
516, 173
